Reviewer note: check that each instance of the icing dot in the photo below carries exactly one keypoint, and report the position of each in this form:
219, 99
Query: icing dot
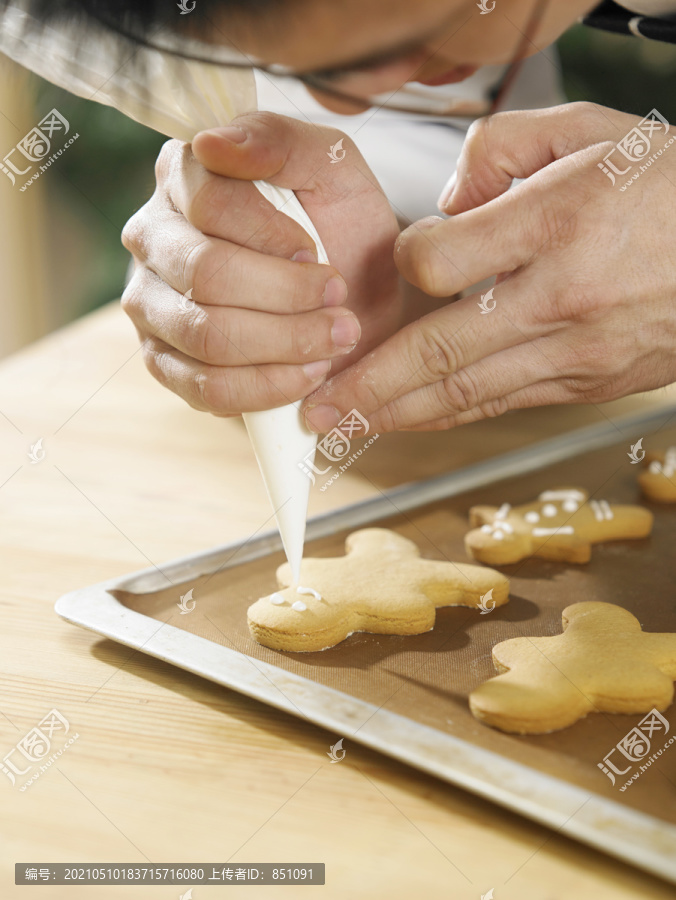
506, 527
299, 606
276, 598
532, 517
655, 467
486, 529
498, 534
549, 510
310, 592
571, 506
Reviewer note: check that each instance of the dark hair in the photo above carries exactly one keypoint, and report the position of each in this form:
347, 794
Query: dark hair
138, 18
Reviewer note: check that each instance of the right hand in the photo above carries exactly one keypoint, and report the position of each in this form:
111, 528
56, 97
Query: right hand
260, 332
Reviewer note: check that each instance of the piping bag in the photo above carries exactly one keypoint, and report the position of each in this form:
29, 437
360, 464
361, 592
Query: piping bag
179, 98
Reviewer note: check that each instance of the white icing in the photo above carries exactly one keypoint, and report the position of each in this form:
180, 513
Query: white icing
503, 511
571, 494
487, 529
601, 509
570, 506
655, 467
545, 532
506, 527
276, 598
532, 517
299, 606
549, 510
310, 592
498, 534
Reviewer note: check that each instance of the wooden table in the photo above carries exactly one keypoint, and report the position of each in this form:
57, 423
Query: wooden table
167, 767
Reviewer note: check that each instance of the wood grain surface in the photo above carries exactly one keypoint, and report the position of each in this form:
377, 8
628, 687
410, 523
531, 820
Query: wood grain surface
169, 768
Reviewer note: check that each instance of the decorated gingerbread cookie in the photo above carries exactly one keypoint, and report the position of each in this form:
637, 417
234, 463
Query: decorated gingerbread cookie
602, 662
382, 586
658, 481
561, 525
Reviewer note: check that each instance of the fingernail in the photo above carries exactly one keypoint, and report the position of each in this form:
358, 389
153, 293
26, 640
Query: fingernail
335, 292
447, 193
318, 369
304, 256
230, 133
345, 331
322, 418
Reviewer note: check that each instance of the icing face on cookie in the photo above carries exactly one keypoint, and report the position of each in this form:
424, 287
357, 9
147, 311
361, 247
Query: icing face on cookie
278, 599
382, 586
561, 524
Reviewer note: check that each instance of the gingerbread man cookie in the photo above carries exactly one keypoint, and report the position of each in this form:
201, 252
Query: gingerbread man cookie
561, 525
658, 481
382, 586
602, 662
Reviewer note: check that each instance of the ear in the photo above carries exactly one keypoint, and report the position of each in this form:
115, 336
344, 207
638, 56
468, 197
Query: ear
482, 515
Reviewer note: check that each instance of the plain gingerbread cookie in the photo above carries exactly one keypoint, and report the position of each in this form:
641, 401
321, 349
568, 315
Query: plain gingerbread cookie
658, 481
382, 586
561, 525
602, 662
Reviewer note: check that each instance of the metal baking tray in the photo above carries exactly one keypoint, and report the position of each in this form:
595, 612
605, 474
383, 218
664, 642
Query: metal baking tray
407, 696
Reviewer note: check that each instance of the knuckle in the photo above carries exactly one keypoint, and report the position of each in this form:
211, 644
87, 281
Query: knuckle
132, 297
166, 160
210, 202
439, 353
134, 235
459, 393
491, 409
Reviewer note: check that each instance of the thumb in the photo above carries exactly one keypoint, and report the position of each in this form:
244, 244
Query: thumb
278, 149
512, 145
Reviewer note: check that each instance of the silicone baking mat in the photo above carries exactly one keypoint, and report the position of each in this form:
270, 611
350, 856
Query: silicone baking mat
407, 696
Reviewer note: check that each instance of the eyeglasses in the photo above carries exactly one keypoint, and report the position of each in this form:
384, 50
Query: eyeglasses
411, 97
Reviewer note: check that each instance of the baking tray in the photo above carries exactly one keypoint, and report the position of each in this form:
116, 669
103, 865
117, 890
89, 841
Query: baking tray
407, 696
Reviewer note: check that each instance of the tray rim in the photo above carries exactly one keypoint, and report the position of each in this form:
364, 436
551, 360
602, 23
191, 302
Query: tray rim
647, 842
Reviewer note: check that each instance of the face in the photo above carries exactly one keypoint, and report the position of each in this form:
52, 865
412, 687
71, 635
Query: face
368, 47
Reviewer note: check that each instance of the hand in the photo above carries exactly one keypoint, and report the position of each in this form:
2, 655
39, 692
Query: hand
264, 329
585, 300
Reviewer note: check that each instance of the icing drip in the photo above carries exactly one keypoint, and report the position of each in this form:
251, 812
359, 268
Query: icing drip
601, 509
545, 532
668, 467
276, 598
299, 606
310, 592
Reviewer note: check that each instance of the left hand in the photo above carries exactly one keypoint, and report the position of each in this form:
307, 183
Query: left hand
585, 300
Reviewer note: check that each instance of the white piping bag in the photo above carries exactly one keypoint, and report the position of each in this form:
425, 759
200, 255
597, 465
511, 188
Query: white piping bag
179, 98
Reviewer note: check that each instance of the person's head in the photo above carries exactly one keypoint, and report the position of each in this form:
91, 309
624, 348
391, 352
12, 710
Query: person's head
363, 47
